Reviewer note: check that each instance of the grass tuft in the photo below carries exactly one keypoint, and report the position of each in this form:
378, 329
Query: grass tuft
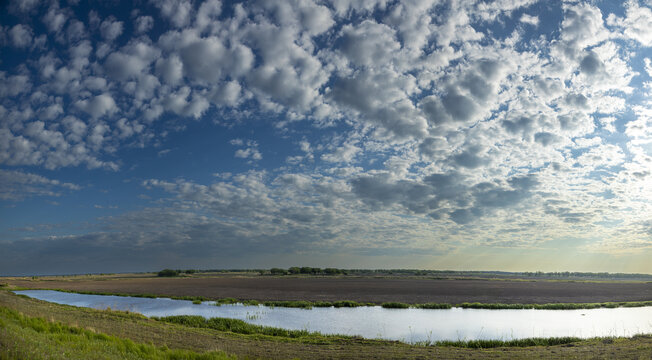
395, 305
487, 344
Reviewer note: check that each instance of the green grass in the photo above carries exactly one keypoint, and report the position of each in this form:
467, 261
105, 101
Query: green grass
487, 344
24, 337
395, 305
555, 306
235, 326
433, 306
302, 304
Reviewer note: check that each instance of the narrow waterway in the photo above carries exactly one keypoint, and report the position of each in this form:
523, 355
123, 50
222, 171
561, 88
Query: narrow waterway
407, 325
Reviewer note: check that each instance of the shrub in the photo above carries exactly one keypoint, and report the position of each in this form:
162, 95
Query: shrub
168, 272
277, 271
395, 305
332, 271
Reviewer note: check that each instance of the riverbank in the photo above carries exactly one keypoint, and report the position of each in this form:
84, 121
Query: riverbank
161, 334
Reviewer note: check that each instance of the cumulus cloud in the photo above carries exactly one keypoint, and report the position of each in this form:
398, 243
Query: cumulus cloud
98, 106
250, 150
21, 35
178, 12
410, 113
529, 19
110, 28
143, 24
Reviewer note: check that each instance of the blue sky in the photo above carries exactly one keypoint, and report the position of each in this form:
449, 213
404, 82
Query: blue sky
507, 135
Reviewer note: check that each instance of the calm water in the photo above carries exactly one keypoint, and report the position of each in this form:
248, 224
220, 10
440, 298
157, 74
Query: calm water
408, 325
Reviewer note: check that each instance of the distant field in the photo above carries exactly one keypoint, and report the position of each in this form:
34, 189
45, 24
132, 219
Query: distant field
34, 329
365, 289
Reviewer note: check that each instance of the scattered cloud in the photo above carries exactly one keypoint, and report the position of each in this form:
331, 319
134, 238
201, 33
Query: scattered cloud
384, 125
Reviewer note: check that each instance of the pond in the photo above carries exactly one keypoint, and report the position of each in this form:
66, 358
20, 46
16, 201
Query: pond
375, 322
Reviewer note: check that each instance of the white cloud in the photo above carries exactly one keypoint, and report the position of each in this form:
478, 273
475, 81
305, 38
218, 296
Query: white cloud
110, 28
98, 106
530, 19
249, 152
21, 35
143, 24
178, 12
17, 185
55, 18
637, 23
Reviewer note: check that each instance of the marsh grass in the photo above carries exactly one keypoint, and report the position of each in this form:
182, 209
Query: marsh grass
234, 326
487, 344
554, 306
395, 305
24, 337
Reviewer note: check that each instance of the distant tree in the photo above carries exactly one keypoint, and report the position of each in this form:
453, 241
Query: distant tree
190, 271
168, 272
277, 271
306, 270
332, 271
294, 270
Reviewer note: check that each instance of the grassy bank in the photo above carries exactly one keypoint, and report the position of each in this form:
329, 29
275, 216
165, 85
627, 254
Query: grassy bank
303, 304
24, 337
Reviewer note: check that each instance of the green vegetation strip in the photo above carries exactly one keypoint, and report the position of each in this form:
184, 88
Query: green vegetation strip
235, 326
24, 337
241, 327
487, 344
556, 306
303, 304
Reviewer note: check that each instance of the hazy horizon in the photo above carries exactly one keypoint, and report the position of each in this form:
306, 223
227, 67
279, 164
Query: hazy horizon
497, 136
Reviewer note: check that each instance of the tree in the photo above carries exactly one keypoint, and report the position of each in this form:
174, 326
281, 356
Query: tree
277, 271
168, 272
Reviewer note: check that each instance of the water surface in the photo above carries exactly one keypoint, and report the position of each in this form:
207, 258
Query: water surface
408, 325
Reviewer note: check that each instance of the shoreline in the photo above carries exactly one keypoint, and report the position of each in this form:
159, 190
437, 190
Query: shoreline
348, 303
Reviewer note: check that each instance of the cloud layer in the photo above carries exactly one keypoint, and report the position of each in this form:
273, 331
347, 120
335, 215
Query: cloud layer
420, 127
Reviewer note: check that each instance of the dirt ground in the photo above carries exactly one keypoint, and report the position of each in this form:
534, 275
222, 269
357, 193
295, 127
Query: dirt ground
370, 289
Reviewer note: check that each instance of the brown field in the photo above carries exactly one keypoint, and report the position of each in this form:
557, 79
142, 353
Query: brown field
361, 289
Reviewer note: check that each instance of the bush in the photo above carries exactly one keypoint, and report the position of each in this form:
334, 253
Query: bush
395, 305
332, 271
168, 272
277, 271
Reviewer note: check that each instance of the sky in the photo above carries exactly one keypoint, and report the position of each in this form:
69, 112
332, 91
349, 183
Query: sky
507, 135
